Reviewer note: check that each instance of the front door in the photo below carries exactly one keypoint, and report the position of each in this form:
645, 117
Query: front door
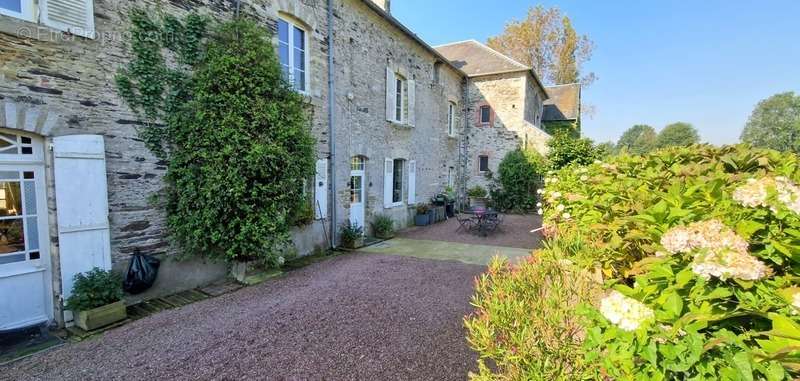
25, 276
357, 191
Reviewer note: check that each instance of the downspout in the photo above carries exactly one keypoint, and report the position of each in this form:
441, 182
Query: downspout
462, 184
331, 136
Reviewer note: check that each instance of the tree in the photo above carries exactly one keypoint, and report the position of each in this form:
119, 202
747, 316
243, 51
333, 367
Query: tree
638, 139
677, 134
546, 41
775, 123
517, 176
565, 150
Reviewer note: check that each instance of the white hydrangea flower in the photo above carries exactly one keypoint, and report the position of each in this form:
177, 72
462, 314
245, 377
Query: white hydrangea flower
584, 178
540, 212
755, 193
627, 313
566, 216
281, 261
540, 191
726, 264
538, 204
677, 240
796, 300
560, 208
555, 195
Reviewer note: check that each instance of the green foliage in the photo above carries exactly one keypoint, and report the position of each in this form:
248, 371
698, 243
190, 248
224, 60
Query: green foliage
423, 208
477, 192
95, 288
638, 139
677, 135
153, 89
241, 149
518, 175
524, 325
566, 150
614, 217
382, 225
558, 127
775, 123
350, 233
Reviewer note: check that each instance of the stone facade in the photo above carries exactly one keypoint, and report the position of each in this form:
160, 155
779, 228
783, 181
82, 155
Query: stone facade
516, 108
54, 84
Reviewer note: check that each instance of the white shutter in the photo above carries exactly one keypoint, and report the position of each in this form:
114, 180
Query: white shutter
321, 190
412, 182
412, 102
82, 206
391, 94
73, 16
388, 177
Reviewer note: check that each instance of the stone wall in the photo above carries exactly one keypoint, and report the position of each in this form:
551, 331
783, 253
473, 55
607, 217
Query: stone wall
516, 104
366, 44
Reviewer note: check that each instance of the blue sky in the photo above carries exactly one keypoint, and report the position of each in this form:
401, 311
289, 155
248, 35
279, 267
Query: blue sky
703, 62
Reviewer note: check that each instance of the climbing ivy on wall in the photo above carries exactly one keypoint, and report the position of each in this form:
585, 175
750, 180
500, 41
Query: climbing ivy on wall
573, 129
215, 105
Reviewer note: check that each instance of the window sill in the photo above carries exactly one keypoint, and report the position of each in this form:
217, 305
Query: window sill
395, 205
400, 124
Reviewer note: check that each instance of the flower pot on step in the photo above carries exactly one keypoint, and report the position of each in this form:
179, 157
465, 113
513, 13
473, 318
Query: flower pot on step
101, 316
355, 244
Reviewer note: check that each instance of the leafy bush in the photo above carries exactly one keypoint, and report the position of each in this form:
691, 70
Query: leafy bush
477, 192
524, 325
350, 233
565, 150
95, 288
519, 175
700, 247
382, 225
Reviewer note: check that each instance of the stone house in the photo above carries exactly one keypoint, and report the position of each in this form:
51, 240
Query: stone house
396, 122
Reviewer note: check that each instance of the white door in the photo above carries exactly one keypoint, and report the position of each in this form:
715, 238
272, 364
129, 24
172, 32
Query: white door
357, 191
25, 274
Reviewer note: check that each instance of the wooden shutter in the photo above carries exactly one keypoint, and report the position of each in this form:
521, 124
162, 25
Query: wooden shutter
72, 16
412, 182
412, 102
82, 206
391, 94
321, 190
388, 178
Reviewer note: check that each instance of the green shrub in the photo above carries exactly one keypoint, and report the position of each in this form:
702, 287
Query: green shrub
350, 233
518, 176
565, 150
382, 225
524, 325
95, 288
477, 192
700, 247
242, 149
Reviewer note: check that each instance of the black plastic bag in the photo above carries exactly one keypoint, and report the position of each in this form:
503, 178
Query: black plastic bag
142, 272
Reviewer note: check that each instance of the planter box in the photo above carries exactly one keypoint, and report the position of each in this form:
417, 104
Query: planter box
100, 316
384, 236
421, 219
355, 244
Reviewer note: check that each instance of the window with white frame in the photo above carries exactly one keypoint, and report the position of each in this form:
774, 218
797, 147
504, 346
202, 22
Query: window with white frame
21, 9
292, 49
451, 119
71, 16
400, 102
400, 98
397, 181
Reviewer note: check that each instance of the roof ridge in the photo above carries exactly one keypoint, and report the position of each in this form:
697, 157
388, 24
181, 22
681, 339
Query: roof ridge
454, 43
501, 55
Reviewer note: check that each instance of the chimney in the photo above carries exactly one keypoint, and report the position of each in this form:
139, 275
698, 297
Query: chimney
384, 4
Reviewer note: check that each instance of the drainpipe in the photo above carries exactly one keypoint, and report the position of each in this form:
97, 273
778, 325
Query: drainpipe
331, 136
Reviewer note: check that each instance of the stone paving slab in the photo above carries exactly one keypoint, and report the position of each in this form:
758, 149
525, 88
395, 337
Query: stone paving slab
446, 251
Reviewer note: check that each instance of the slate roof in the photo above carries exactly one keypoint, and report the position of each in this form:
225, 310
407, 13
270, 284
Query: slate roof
564, 103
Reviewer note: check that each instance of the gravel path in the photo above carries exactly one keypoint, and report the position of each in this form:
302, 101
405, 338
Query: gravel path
359, 316
514, 232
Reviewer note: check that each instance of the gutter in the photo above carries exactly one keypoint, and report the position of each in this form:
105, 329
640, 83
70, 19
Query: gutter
331, 136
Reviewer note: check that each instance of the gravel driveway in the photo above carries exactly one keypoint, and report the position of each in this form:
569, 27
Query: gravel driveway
359, 316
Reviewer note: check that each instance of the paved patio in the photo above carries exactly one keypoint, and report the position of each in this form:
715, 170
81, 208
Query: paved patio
514, 232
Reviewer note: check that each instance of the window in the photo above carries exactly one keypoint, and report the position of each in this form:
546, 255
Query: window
451, 177
400, 103
292, 52
21, 9
486, 114
451, 119
397, 181
483, 163
18, 217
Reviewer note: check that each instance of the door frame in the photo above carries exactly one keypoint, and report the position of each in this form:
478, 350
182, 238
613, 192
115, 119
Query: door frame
358, 167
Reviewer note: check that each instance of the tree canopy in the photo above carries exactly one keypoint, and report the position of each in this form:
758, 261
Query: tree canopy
677, 134
546, 41
638, 139
775, 123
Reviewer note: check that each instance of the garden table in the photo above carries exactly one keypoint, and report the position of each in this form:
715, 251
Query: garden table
485, 220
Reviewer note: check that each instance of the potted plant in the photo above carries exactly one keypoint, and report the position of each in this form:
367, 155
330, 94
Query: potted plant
383, 226
96, 299
422, 217
477, 196
352, 235
450, 206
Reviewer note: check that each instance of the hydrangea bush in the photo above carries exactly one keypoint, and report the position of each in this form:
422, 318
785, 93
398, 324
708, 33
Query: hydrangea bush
699, 248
